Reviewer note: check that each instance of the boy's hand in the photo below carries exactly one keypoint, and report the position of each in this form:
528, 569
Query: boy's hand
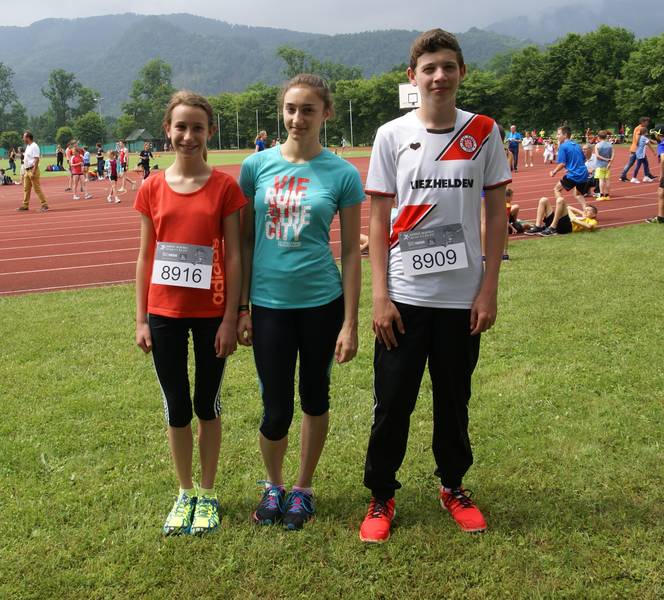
385, 316
483, 312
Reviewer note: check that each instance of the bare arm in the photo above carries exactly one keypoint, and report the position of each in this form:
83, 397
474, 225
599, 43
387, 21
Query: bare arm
385, 313
225, 341
244, 328
485, 306
349, 217
143, 272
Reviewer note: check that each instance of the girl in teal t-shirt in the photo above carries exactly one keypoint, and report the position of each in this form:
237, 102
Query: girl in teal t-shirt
300, 304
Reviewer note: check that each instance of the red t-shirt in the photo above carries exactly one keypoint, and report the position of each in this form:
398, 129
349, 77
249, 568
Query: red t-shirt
194, 218
76, 163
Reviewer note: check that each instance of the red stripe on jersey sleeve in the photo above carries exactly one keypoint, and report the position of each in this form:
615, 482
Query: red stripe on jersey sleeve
497, 185
382, 194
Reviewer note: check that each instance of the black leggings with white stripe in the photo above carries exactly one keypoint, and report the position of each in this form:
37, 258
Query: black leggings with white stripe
170, 341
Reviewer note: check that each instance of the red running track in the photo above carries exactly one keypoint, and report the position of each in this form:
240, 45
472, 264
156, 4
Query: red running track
87, 243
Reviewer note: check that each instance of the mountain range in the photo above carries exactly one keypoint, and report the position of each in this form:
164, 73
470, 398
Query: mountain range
209, 56
643, 17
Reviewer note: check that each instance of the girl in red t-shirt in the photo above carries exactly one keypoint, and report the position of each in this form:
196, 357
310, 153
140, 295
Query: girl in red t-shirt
76, 164
188, 278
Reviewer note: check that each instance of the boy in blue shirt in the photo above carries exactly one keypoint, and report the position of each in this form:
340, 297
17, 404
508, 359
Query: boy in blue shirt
570, 157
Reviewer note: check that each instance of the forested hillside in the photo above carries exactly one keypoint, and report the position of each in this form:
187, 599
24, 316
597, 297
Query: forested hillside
106, 53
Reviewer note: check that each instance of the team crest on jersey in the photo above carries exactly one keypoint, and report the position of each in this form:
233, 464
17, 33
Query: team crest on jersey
468, 143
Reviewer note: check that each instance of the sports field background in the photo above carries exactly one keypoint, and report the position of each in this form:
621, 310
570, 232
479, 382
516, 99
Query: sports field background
566, 421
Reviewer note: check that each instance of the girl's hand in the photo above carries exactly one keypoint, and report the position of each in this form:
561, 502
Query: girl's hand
346, 347
244, 330
143, 337
225, 342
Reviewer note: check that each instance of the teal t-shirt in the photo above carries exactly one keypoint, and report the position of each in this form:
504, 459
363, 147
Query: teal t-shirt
294, 204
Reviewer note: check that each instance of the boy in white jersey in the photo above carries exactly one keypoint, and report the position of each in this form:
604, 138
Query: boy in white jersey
431, 296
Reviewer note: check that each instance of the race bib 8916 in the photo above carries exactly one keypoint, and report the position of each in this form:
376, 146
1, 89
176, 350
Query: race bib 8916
182, 265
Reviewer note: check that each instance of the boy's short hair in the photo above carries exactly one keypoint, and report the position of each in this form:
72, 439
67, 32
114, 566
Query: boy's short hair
509, 192
565, 130
602, 134
432, 41
593, 208
644, 120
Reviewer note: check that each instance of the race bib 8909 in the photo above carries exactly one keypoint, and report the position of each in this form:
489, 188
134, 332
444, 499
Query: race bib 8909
433, 250
182, 265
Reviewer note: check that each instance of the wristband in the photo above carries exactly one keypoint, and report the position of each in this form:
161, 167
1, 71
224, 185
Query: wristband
243, 307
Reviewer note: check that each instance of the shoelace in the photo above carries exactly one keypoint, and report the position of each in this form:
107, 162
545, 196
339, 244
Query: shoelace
205, 506
182, 505
463, 497
378, 509
299, 502
271, 496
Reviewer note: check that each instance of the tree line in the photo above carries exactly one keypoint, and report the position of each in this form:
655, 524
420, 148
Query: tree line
597, 80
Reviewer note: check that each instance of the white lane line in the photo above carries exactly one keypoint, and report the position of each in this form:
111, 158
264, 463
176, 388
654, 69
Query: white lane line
124, 239
63, 287
69, 235
130, 262
70, 254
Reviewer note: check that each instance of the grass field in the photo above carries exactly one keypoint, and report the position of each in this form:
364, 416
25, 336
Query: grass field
566, 421
164, 160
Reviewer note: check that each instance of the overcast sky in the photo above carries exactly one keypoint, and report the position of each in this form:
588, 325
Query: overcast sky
330, 16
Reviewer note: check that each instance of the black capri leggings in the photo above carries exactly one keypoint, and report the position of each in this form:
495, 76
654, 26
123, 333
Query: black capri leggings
278, 336
170, 341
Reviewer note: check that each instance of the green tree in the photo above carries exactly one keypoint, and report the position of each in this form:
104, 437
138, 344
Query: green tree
90, 129
641, 87
10, 139
298, 61
149, 95
64, 135
12, 112
61, 91
87, 101
124, 126
481, 92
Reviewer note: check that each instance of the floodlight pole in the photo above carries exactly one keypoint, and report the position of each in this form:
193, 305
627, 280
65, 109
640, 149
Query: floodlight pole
98, 101
237, 128
257, 122
219, 130
350, 109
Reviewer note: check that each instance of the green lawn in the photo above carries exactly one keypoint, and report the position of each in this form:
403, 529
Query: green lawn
566, 421
165, 159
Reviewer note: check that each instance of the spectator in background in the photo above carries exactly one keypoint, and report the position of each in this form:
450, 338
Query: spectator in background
31, 178
259, 142
658, 132
570, 157
640, 129
603, 158
528, 144
12, 160
642, 146
514, 139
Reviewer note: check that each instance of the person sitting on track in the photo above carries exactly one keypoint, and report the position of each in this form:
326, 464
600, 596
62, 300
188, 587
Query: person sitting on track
562, 219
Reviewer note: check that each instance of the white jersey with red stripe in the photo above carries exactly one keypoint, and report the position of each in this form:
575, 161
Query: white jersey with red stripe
437, 178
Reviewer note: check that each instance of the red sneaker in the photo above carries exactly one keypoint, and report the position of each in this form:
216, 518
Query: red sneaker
463, 509
376, 525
